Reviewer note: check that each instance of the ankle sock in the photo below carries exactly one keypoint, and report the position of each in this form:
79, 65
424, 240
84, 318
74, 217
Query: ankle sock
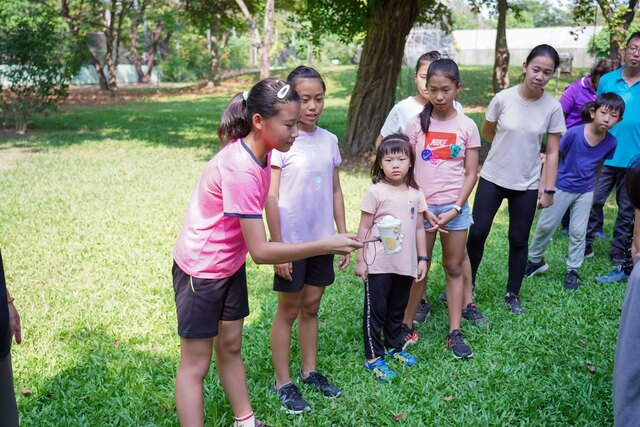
248, 420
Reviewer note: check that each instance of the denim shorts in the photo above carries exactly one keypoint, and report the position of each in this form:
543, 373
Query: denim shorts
460, 222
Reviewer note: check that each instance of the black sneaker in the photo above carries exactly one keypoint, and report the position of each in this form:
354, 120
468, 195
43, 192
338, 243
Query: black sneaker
534, 268
512, 301
291, 399
571, 281
443, 298
320, 383
422, 313
455, 341
588, 251
473, 315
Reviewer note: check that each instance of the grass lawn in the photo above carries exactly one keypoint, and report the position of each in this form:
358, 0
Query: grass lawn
92, 201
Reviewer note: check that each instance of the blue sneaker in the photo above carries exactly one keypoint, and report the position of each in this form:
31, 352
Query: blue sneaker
380, 369
402, 356
600, 235
615, 275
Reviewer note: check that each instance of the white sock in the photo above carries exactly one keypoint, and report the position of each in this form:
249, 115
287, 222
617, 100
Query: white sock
248, 420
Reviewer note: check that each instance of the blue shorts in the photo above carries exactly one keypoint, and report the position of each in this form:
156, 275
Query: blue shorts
461, 222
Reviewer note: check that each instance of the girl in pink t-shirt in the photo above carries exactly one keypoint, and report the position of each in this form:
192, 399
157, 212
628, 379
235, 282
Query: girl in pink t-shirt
447, 144
305, 199
223, 222
388, 277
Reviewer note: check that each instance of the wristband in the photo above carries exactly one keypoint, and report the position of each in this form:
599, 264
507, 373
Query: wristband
549, 191
424, 258
458, 209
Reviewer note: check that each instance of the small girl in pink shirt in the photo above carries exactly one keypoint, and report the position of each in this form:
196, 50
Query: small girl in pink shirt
223, 222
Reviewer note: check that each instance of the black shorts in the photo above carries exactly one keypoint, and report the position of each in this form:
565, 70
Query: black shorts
314, 271
202, 303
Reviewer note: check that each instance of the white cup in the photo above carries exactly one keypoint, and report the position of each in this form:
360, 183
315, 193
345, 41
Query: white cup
389, 228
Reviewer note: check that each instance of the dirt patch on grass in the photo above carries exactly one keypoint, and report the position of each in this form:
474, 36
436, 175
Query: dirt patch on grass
10, 156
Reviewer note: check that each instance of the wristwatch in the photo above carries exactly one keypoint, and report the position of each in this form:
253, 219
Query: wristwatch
458, 209
546, 191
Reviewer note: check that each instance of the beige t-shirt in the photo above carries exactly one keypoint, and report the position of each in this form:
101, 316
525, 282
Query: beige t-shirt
514, 159
406, 204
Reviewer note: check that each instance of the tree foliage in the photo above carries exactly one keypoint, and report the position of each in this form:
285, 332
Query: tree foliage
38, 59
618, 15
600, 44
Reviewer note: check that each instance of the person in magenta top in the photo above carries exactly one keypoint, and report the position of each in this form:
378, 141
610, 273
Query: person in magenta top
447, 144
222, 224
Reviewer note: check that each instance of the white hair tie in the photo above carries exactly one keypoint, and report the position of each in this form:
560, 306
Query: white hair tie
245, 95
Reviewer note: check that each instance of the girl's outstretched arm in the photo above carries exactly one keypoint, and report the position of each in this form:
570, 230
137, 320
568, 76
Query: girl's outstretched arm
366, 222
549, 170
264, 252
488, 130
272, 213
339, 215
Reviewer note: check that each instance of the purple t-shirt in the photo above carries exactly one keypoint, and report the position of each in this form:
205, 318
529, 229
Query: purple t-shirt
579, 161
574, 97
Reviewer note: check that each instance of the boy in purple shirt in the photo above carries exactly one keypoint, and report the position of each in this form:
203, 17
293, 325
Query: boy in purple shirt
582, 151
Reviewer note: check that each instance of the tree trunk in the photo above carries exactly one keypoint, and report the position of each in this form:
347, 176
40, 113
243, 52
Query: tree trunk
156, 38
253, 27
218, 43
501, 63
109, 60
21, 122
380, 65
102, 79
133, 39
267, 39
618, 33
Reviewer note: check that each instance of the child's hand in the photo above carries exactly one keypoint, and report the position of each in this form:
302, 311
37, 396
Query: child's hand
343, 244
432, 220
545, 200
422, 270
446, 217
284, 270
345, 260
361, 270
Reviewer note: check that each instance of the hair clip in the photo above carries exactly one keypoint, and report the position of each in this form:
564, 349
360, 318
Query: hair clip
245, 95
283, 92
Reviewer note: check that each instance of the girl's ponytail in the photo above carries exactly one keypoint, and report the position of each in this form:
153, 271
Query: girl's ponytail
425, 117
236, 121
265, 98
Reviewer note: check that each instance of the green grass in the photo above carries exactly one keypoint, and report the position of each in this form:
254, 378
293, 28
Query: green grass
92, 200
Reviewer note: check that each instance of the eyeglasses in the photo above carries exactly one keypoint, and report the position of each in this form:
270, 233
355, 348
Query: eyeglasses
633, 49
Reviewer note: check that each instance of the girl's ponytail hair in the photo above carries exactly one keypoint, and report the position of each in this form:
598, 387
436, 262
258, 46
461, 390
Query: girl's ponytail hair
265, 98
445, 67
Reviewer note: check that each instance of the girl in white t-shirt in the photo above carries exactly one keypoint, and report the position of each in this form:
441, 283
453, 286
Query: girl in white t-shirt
515, 122
305, 199
447, 144
388, 277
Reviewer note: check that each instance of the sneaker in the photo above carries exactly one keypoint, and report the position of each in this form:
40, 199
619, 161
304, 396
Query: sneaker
533, 268
291, 399
473, 315
571, 281
512, 301
402, 356
422, 313
443, 298
455, 341
320, 383
409, 336
588, 251
615, 275
380, 369
600, 235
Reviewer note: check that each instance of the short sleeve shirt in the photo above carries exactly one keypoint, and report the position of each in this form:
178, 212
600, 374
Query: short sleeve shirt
403, 113
440, 154
514, 158
234, 185
579, 161
627, 131
407, 205
305, 198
